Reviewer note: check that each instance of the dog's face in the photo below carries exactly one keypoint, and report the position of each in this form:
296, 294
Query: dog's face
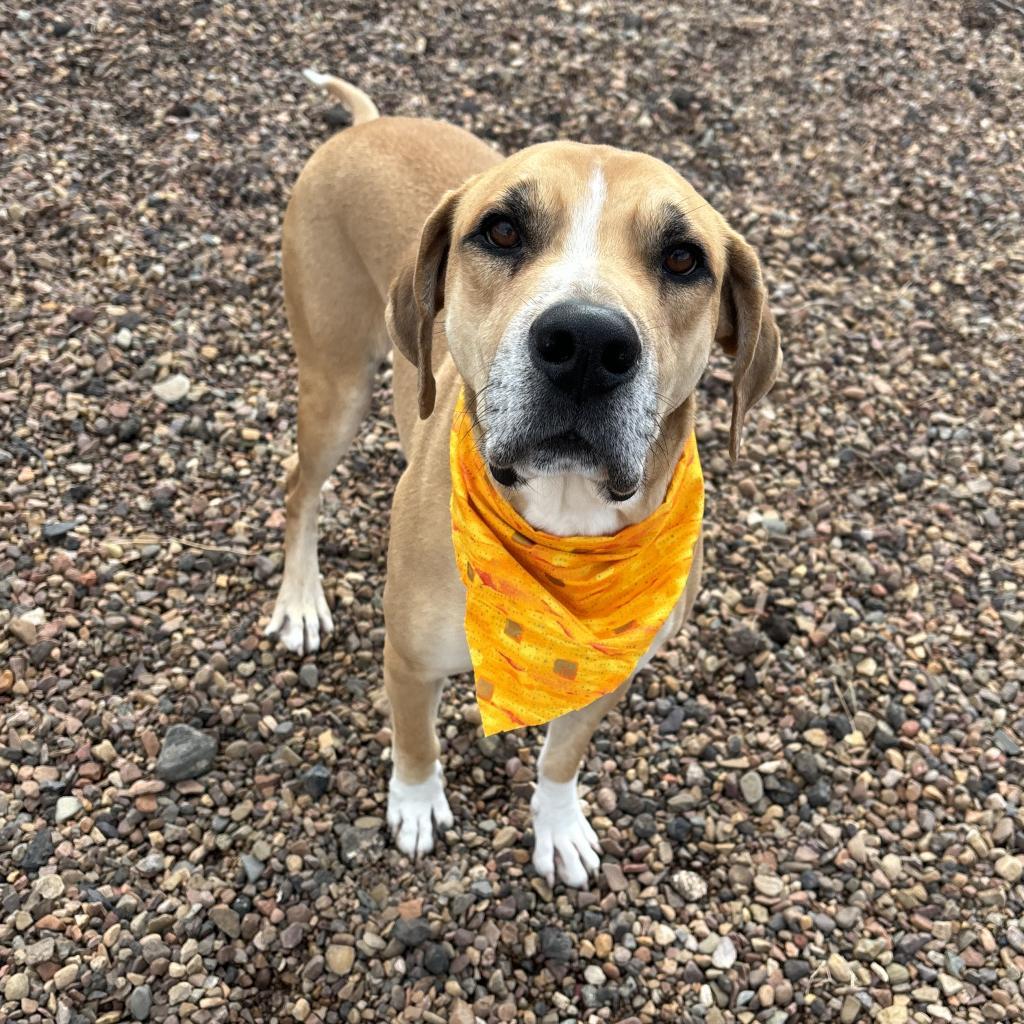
582, 288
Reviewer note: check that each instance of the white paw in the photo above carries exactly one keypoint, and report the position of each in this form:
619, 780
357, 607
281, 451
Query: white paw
413, 810
564, 839
301, 616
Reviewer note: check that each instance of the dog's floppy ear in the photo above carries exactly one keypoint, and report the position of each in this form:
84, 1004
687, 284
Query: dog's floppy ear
747, 332
417, 295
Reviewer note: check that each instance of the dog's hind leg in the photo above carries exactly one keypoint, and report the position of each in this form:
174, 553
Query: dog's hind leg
329, 415
337, 324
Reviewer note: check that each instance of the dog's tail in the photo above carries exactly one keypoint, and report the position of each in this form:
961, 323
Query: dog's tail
358, 104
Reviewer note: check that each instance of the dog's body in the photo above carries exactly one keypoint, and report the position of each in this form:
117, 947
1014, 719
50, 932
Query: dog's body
358, 269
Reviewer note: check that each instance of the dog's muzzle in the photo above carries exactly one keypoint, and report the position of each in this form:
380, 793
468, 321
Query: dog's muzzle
573, 394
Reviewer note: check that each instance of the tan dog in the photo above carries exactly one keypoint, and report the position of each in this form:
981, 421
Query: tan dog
581, 288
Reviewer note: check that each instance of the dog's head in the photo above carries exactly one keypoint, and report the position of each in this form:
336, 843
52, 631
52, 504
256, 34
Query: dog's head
582, 288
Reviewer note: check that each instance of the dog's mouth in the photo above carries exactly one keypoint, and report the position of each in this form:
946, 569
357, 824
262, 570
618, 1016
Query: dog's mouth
567, 451
568, 448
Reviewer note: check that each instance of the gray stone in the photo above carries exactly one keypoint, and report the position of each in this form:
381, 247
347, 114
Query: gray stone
806, 765
1006, 743
751, 787
186, 753
151, 865
555, 944
795, 970
868, 949
39, 952
140, 1002
847, 918
316, 781
252, 867
897, 973
436, 959
411, 932
38, 852
153, 948
743, 642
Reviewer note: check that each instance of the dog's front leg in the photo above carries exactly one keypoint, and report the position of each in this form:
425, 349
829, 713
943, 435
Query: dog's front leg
564, 840
416, 800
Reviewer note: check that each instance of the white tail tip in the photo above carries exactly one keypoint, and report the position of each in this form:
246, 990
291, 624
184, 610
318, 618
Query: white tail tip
358, 104
315, 77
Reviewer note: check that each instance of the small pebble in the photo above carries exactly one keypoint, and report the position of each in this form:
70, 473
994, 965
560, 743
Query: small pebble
173, 388
16, 987
724, 955
340, 959
1010, 868
140, 1002
67, 807
752, 787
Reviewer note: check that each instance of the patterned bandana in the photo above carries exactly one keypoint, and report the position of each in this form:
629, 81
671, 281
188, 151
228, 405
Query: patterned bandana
553, 623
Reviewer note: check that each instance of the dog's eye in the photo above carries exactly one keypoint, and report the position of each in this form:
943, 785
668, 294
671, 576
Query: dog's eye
681, 261
502, 233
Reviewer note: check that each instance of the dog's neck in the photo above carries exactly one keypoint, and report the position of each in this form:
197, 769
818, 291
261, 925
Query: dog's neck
571, 505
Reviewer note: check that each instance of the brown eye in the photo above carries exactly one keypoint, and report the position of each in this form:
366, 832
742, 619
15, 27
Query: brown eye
503, 234
681, 262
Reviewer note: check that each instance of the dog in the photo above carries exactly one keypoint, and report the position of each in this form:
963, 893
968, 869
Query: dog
575, 293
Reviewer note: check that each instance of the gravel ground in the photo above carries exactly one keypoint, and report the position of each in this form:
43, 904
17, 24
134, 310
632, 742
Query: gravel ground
809, 806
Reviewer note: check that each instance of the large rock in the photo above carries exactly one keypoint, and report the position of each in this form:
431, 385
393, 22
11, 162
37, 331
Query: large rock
186, 753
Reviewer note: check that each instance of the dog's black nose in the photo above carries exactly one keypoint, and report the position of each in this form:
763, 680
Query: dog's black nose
583, 349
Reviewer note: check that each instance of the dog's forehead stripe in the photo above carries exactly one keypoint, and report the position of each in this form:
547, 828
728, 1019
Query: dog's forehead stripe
578, 261
586, 219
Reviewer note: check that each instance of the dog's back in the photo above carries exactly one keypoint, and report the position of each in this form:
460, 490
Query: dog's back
381, 171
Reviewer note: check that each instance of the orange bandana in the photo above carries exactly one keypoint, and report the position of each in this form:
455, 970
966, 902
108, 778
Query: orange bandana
553, 623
